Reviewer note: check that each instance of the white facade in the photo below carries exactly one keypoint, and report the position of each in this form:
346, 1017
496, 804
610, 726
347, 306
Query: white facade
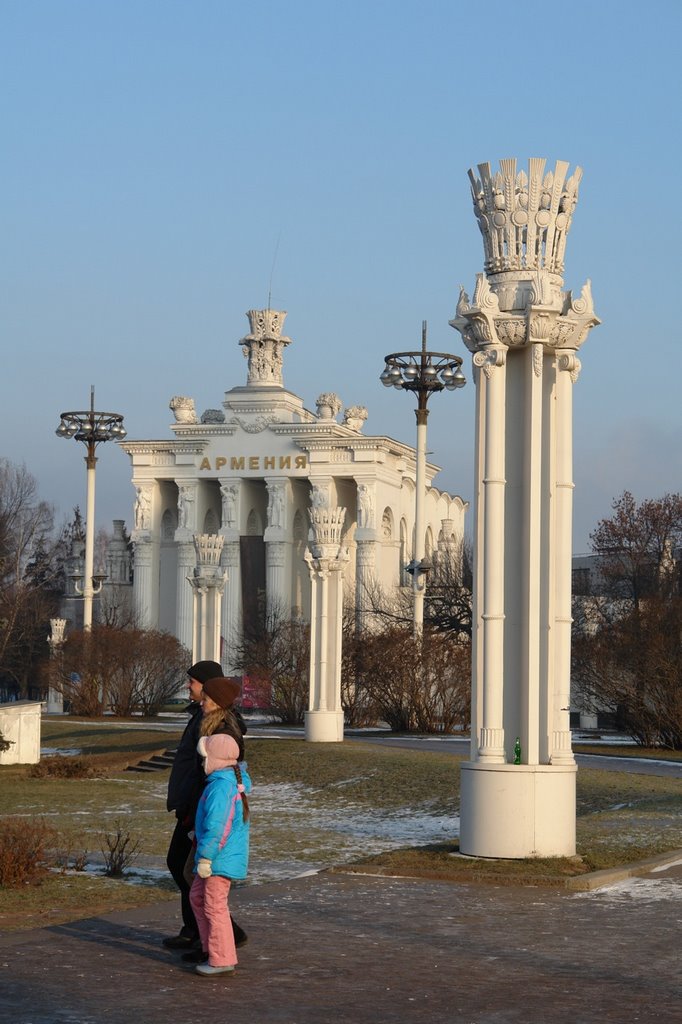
250, 471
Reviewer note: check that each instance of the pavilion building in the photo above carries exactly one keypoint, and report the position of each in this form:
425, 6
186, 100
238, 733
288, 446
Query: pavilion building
251, 472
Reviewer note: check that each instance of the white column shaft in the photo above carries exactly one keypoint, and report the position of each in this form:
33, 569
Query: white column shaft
561, 725
186, 561
531, 531
492, 734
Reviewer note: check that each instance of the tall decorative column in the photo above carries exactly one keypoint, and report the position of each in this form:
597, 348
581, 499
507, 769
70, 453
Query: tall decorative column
277, 548
55, 697
523, 331
366, 546
143, 552
230, 491
326, 560
184, 536
208, 583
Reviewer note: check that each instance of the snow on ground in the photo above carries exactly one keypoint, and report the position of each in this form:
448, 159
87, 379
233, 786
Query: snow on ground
630, 890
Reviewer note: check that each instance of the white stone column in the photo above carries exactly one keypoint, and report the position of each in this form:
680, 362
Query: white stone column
55, 697
365, 578
207, 583
143, 558
567, 370
523, 331
185, 598
366, 548
490, 580
184, 538
230, 491
278, 547
232, 605
326, 561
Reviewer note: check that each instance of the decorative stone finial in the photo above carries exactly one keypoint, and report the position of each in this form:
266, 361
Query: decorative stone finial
329, 405
264, 346
354, 416
524, 218
183, 409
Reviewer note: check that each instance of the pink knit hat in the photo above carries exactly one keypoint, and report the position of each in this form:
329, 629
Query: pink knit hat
219, 751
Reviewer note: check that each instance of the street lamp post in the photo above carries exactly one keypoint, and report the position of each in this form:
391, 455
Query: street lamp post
424, 373
92, 428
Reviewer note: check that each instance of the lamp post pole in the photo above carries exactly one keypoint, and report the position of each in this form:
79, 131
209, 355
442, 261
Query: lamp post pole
423, 373
92, 428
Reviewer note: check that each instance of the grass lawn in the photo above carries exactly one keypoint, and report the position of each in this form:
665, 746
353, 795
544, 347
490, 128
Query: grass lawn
355, 805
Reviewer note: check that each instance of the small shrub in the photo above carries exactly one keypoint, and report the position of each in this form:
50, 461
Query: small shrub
5, 744
120, 850
60, 767
23, 846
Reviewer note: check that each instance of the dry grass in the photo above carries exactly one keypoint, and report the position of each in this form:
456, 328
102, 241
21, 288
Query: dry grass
323, 787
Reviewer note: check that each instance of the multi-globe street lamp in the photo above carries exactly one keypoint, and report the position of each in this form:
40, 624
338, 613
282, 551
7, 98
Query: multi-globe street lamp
423, 373
92, 428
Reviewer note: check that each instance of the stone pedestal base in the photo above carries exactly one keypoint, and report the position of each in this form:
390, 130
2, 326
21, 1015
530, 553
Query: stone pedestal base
324, 726
515, 811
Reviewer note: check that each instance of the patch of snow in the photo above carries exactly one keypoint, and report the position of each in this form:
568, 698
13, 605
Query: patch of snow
633, 889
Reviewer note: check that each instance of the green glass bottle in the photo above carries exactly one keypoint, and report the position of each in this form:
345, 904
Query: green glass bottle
517, 751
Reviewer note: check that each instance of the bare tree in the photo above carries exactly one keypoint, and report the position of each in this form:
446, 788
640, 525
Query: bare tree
447, 602
122, 670
29, 572
636, 545
627, 638
415, 685
276, 651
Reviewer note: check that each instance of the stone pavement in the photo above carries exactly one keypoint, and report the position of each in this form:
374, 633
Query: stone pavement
370, 950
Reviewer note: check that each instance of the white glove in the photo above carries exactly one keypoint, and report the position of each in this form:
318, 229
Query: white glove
204, 869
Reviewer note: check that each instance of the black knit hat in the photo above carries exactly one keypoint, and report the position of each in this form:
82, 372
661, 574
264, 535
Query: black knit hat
205, 670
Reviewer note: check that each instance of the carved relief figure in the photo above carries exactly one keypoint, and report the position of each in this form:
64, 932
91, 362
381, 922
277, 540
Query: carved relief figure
186, 508
143, 509
275, 505
320, 496
229, 496
365, 507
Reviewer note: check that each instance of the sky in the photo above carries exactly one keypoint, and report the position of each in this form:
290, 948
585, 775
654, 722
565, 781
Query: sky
169, 164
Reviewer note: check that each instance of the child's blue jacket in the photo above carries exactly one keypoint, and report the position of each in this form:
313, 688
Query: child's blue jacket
222, 835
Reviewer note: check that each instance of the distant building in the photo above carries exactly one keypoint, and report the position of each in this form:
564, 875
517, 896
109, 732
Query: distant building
250, 471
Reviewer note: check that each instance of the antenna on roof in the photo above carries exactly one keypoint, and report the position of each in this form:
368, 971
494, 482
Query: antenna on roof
272, 269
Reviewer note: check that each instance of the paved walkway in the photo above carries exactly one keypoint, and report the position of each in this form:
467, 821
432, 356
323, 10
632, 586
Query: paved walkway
369, 950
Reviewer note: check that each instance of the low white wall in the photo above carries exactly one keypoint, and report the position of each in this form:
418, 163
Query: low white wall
20, 726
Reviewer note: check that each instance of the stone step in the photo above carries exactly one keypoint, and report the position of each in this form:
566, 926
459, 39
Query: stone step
155, 763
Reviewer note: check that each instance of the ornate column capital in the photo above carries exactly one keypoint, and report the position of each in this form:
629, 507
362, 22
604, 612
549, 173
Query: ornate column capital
568, 362
490, 357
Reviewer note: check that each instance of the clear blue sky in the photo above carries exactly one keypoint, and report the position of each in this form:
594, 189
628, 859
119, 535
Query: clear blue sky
156, 154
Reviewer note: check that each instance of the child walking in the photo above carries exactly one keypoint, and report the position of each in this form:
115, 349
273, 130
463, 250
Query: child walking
222, 838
